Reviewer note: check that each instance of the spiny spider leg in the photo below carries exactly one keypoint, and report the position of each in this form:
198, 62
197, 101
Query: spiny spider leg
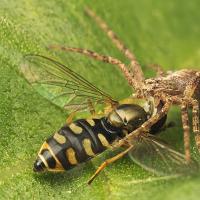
138, 76
186, 130
190, 89
195, 122
189, 92
158, 69
96, 56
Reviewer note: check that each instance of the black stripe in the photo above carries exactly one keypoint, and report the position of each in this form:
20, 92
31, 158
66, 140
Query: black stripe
60, 152
92, 135
49, 158
75, 143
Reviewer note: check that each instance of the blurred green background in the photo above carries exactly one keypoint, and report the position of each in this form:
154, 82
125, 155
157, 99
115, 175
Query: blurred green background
161, 32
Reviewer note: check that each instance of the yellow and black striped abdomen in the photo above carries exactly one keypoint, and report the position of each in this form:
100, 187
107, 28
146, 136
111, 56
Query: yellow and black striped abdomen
77, 143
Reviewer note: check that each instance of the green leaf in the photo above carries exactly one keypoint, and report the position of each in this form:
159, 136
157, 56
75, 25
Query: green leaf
161, 32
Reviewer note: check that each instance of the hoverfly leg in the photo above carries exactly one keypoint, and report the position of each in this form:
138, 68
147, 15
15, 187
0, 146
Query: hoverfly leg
107, 162
70, 118
91, 107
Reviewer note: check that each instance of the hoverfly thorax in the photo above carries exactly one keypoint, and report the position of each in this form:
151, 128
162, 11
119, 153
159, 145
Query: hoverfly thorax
128, 117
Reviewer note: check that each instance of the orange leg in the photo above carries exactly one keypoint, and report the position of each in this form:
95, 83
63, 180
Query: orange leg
107, 162
70, 118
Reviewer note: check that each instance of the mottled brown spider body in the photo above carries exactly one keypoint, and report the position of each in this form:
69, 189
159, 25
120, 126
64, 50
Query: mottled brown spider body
180, 88
177, 88
172, 83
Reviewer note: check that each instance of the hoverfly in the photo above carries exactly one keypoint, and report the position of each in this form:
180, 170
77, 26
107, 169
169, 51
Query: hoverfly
131, 123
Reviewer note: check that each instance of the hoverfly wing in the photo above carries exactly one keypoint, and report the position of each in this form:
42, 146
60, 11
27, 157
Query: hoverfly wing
61, 85
156, 156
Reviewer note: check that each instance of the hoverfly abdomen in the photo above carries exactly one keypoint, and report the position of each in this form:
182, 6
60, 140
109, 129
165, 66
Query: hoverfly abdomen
76, 143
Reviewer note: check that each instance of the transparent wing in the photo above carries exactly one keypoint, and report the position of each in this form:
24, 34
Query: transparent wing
154, 155
61, 85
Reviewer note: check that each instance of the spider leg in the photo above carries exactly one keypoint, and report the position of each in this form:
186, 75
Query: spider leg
96, 56
138, 76
189, 92
107, 162
190, 88
158, 69
195, 122
186, 130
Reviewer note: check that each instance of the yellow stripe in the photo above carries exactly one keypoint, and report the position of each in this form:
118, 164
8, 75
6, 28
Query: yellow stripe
76, 129
88, 148
44, 146
59, 138
70, 153
43, 160
91, 122
103, 140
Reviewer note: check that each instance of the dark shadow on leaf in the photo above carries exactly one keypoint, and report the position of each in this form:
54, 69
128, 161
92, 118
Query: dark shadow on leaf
67, 177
